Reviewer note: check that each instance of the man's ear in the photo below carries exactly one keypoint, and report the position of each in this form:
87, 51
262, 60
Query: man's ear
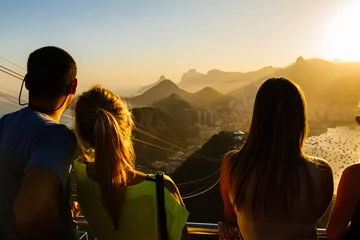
74, 86
26, 79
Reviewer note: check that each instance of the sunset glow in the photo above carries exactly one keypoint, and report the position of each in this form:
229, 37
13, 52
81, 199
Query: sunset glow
128, 44
343, 35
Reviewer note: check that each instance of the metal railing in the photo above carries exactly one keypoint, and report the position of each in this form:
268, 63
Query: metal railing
195, 228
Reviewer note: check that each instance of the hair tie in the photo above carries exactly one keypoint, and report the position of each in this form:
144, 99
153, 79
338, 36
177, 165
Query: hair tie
100, 110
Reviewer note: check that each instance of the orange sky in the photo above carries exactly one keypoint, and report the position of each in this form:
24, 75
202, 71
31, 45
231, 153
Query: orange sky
123, 43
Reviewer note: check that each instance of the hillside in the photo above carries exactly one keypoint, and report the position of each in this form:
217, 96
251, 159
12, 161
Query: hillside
175, 107
343, 91
157, 124
210, 97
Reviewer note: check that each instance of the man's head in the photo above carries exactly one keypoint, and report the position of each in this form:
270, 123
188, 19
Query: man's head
51, 77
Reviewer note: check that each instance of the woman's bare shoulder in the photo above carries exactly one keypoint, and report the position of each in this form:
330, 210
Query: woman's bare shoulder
321, 163
352, 171
349, 178
354, 168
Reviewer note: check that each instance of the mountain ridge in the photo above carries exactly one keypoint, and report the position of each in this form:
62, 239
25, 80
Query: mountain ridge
320, 79
202, 98
147, 87
161, 90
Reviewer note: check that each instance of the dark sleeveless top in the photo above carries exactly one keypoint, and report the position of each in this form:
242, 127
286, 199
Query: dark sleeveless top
303, 226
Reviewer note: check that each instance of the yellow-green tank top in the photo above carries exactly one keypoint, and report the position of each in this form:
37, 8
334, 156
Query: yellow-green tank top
139, 218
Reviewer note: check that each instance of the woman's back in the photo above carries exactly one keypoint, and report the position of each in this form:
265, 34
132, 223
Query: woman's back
277, 192
139, 218
303, 219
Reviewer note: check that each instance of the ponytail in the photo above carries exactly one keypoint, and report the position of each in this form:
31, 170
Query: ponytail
114, 155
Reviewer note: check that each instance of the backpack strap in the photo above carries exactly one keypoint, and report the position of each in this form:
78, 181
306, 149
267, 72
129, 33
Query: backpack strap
161, 205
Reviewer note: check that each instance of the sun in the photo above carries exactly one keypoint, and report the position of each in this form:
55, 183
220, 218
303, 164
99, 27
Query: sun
343, 33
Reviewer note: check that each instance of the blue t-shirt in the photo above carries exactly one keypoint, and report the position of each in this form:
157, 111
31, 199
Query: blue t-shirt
30, 139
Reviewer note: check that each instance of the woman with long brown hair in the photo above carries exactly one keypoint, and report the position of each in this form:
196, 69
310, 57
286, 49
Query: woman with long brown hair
118, 201
270, 188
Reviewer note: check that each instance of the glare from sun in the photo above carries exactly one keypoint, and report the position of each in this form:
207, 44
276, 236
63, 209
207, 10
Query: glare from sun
342, 39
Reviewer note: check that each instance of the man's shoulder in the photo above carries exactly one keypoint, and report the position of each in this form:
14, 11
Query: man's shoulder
47, 126
47, 130
55, 126
10, 115
11, 122
36, 127
59, 131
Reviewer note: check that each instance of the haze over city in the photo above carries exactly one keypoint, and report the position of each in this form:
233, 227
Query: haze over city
124, 44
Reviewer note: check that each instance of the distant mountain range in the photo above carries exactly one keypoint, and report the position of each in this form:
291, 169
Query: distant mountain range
303, 71
323, 82
224, 82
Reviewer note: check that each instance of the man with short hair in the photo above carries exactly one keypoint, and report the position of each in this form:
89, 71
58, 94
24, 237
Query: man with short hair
36, 152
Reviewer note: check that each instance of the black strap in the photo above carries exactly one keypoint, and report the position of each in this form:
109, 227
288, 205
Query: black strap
161, 205
148, 178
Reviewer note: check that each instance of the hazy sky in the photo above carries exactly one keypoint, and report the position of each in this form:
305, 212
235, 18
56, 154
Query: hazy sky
121, 43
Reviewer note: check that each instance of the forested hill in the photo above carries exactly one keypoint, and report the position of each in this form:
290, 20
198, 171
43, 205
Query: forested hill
152, 126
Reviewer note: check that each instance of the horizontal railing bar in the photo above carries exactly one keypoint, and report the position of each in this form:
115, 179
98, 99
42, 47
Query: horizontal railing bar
195, 228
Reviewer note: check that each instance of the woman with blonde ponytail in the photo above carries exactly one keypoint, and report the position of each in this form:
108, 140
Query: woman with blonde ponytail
118, 201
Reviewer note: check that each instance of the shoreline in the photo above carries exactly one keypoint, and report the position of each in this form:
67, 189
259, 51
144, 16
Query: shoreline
338, 145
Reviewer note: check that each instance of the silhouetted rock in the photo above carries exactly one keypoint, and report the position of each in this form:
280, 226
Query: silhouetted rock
207, 207
190, 77
300, 59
